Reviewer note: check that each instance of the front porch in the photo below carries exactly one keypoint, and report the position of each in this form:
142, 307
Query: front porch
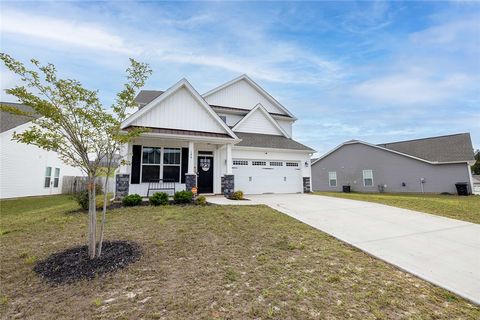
181, 163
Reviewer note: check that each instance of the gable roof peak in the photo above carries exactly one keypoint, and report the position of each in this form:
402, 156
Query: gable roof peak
255, 86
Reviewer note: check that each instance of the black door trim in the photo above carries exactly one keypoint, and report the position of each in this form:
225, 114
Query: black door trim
205, 178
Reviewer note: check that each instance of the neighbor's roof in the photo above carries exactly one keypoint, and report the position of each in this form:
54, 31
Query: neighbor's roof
9, 121
448, 148
455, 148
269, 141
146, 96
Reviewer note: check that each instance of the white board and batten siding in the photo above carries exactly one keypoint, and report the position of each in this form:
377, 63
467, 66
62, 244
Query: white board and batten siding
258, 123
231, 119
182, 111
286, 125
23, 168
241, 95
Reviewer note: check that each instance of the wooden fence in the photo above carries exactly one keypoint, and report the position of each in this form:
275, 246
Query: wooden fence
73, 184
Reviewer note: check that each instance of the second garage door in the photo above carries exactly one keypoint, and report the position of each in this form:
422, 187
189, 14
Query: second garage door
260, 176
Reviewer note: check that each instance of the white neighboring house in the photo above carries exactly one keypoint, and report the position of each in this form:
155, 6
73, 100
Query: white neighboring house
26, 170
234, 137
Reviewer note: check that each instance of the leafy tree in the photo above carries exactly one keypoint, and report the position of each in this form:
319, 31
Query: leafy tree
476, 166
74, 123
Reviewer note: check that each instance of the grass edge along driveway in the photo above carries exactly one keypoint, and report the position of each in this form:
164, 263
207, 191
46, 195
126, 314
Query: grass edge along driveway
465, 208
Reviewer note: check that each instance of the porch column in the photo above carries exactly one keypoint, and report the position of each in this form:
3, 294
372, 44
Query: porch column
229, 158
191, 176
191, 157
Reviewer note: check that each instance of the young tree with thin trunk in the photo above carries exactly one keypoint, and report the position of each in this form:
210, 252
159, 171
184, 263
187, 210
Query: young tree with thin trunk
137, 74
73, 123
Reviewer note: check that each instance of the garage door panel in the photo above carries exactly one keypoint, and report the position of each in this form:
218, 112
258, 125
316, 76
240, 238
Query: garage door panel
266, 178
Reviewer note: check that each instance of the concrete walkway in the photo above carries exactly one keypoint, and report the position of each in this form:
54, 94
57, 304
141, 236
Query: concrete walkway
443, 251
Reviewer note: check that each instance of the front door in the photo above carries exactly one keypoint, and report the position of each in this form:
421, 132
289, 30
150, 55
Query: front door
205, 174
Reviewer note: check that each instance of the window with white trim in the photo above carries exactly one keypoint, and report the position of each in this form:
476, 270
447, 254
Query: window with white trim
276, 163
240, 162
367, 178
164, 163
292, 164
332, 179
48, 177
171, 164
151, 162
56, 178
259, 163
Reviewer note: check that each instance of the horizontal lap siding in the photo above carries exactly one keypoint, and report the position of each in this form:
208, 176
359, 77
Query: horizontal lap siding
22, 169
388, 169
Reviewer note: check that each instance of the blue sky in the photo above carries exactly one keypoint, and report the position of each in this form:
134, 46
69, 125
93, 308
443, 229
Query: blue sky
374, 71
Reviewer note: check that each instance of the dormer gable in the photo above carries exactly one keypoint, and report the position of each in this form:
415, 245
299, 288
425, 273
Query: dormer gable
258, 120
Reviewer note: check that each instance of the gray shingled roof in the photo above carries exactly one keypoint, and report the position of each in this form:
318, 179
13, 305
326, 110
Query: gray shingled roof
269, 141
146, 96
9, 121
455, 147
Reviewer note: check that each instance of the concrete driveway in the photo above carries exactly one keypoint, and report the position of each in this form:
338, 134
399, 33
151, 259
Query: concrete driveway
443, 251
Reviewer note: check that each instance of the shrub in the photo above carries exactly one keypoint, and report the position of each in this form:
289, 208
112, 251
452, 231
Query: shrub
201, 201
159, 198
183, 197
132, 200
82, 199
237, 195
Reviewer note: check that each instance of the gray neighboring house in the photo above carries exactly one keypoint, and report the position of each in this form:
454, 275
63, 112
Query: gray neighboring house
430, 165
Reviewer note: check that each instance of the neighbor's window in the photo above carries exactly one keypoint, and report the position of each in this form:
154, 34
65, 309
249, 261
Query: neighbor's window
56, 178
224, 118
48, 177
151, 164
332, 179
367, 178
171, 164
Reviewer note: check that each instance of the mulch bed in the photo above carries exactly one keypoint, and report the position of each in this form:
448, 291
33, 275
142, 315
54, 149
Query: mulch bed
74, 264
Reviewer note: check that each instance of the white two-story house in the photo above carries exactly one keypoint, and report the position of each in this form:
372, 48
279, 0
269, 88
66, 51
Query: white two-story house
234, 137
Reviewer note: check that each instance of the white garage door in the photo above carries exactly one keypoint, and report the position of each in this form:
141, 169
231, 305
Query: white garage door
260, 176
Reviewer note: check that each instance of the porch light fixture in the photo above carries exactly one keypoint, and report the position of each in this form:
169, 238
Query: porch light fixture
306, 164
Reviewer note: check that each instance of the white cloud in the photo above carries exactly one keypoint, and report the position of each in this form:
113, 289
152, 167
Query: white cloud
413, 88
64, 31
253, 51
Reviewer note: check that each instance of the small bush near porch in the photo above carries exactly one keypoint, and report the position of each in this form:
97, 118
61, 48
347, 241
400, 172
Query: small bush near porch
213, 262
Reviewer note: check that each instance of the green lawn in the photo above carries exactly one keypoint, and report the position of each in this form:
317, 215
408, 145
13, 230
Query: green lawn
455, 207
214, 262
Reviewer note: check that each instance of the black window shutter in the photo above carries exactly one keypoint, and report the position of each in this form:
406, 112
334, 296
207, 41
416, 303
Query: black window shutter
184, 164
136, 164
